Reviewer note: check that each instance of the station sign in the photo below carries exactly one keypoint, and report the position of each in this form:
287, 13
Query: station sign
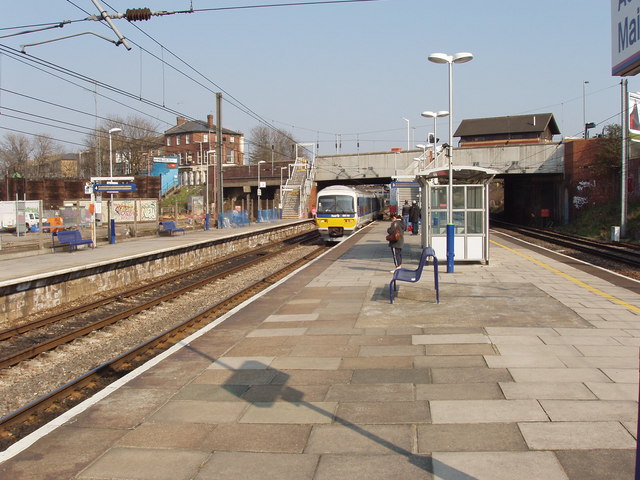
114, 188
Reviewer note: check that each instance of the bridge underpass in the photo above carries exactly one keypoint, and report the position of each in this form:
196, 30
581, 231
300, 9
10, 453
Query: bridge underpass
527, 189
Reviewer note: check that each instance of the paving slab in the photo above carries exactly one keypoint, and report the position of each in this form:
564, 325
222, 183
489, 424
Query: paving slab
362, 438
267, 466
486, 411
146, 464
598, 464
374, 467
470, 437
590, 435
498, 466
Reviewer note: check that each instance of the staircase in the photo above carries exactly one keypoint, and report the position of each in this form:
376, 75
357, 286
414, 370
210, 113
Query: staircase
292, 198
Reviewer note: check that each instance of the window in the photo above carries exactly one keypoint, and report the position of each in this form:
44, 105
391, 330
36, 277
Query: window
178, 140
168, 141
229, 156
336, 204
205, 138
187, 139
232, 139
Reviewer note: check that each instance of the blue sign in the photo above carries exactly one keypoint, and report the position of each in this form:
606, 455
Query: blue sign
114, 188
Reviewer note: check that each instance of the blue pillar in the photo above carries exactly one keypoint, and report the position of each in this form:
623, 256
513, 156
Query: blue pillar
451, 229
112, 232
206, 221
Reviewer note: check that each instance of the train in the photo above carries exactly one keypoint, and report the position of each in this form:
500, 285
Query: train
341, 210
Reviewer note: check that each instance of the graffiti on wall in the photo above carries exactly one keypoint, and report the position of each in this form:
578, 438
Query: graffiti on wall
137, 210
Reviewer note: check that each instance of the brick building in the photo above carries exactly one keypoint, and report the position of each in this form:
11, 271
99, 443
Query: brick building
191, 141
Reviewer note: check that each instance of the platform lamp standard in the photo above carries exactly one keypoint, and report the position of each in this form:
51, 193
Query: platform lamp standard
207, 215
112, 236
461, 57
259, 192
435, 116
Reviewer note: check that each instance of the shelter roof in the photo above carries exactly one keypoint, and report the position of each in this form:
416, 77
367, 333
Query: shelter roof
536, 122
198, 126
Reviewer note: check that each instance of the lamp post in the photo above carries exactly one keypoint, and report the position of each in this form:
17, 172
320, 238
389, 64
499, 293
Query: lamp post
461, 57
435, 116
584, 106
207, 216
112, 237
259, 192
408, 128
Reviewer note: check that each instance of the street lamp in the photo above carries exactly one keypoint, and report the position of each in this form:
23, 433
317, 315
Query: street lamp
435, 116
206, 189
584, 107
461, 57
408, 128
111, 131
259, 192
112, 238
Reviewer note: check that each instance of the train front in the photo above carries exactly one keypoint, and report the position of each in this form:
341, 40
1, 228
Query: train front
336, 215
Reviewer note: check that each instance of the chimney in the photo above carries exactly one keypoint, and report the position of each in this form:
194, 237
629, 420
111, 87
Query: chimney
180, 120
210, 122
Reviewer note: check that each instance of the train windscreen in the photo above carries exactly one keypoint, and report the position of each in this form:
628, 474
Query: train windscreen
336, 204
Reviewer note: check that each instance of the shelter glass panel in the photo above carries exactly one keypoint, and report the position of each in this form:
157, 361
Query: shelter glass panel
474, 196
438, 223
458, 221
438, 198
474, 222
458, 197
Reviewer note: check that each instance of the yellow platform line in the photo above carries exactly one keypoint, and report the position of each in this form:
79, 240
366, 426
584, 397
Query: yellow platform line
572, 279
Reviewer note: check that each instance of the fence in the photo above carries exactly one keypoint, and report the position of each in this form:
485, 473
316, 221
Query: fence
271, 215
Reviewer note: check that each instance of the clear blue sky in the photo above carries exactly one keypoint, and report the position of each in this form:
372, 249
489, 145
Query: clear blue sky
354, 69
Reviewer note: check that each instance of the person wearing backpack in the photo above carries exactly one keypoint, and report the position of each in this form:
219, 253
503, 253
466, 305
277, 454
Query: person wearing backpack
395, 238
414, 218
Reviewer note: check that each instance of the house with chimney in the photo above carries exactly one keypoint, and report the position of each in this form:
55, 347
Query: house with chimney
193, 143
532, 128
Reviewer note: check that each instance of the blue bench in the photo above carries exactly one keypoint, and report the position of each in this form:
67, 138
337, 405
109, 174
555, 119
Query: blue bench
70, 238
409, 275
170, 227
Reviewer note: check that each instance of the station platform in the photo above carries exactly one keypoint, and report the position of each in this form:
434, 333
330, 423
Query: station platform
23, 268
526, 369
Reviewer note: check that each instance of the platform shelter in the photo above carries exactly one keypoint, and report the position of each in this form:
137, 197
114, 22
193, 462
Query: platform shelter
470, 211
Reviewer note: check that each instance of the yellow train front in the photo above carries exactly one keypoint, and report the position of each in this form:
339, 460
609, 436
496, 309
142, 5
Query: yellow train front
341, 210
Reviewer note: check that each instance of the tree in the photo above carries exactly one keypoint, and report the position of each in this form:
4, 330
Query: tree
33, 157
271, 143
609, 151
15, 152
131, 146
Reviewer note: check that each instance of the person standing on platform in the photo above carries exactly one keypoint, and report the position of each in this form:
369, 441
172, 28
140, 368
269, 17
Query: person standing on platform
406, 208
414, 218
397, 225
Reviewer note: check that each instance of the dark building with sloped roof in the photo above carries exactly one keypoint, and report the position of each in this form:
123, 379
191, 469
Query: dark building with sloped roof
190, 140
510, 130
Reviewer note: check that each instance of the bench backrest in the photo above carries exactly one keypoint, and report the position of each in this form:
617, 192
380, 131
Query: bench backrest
169, 225
69, 236
426, 253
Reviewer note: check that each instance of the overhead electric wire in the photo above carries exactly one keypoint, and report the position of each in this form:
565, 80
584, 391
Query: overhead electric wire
41, 136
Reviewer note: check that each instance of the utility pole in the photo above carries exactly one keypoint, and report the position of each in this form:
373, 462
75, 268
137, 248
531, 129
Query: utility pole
218, 166
623, 169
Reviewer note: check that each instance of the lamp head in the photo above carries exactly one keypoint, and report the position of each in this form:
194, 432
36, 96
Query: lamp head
115, 130
261, 161
462, 57
429, 114
440, 58
442, 113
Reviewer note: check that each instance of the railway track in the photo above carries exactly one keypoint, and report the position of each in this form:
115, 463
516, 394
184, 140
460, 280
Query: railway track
623, 253
30, 417
31, 339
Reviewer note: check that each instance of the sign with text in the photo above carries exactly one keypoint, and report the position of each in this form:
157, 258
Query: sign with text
625, 36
